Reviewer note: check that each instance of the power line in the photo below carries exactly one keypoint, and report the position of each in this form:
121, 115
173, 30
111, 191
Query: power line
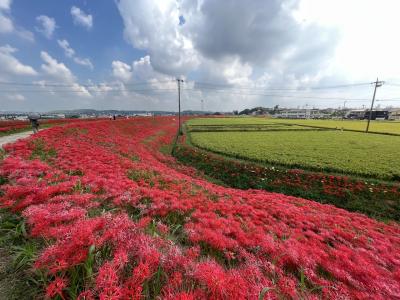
204, 84
92, 88
212, 85
192, 90
289, 96
85, 91
40, 84
388, 100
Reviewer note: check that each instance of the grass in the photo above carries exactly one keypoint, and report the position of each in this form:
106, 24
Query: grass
231, 121
249, 127
284, 143
392, 127
372, 197
40, 151
14, 131
17, 254
25, 129
334, 151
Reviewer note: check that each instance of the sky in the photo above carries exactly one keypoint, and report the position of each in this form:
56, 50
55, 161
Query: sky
231, 54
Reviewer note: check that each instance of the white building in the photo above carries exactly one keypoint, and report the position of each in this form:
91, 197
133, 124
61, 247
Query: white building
394, 114
302, 114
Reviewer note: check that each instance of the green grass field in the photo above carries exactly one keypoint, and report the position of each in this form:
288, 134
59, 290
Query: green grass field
369, 155
375, 126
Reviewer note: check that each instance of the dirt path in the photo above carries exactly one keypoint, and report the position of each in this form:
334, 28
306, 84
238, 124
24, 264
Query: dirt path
13, 137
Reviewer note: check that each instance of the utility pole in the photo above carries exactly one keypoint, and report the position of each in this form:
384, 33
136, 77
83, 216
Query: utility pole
202, 106
179, 81
344, 109
377, 84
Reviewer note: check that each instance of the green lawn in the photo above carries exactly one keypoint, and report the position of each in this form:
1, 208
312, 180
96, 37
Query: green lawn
356, 153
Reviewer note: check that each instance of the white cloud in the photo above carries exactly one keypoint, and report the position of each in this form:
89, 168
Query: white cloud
15, 97
5, 4
61, 73
69, 52
47, 26
81, 18
265, 44
142, 71
84, 62
55, 69
141, 82
100, 89
25, 34
6, 25
11, 65
154, 26
121, 70
366, 48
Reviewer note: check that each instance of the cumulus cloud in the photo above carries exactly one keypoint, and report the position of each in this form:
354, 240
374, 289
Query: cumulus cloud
230, 41
121, 70
47, 26
142, 71
5, 4
256, 43
69, 52
61, 73
141, 82
154, 26
6, 25
55, 69
11, 65
255, 31
81, 18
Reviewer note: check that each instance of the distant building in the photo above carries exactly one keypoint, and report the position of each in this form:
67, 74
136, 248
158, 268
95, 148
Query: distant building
21, 118
52, 116
363, 114
302, 114
143, 115
394, 114
357, 114
377, 115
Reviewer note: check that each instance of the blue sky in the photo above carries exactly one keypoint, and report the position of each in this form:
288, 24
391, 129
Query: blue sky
103, 43
232, 54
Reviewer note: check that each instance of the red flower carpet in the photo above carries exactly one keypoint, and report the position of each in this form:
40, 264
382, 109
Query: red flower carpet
105, 193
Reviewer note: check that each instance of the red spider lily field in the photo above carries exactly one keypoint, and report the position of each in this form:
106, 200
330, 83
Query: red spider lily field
113, 215
13, 126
